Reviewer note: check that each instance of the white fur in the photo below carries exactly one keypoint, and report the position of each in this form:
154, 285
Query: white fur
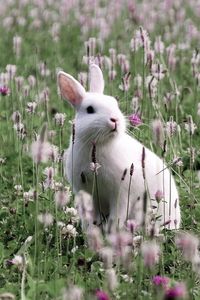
115, 152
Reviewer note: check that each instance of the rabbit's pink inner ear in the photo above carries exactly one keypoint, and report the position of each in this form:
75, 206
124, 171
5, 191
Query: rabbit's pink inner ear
96, 79
70, 89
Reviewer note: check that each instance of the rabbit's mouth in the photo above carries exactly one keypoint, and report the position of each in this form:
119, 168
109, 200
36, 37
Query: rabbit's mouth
115, 128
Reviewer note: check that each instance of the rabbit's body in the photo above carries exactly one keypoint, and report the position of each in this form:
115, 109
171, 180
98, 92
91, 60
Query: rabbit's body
100, 122
113, 191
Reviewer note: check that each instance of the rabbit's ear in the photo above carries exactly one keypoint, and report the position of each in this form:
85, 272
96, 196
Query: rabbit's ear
96, 81
70, 88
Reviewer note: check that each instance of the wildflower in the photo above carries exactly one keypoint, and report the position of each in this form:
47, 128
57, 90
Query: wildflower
157, 71
58, 186
94, 167
18, 261
101, 295
119, 241
158, 132
20, 129
11, 69
136, 41
69, 231
31, 81
55, 31
111, 278
126, 278
106, 254
132, 225
28, 196
177, 161
4, 79
178, 291
82, 78
112, 74
7, 296
51, 134
171, 58
49, 181
62, 198
30, 107
144, 38
54, 153
16, 117
40, 149
135, 119
188, 244
18, 188
44, 71
17, 41
125, 85
74, 249
159, 45
160, 281
72, 213
4, 90
150, 252
84, 205
44, 95
112, 53
94, 238
73, 293
159, 196
60, 119
46, 219
2, 160
138, 80
171, 127
19, 80
168, 98
152, 85
190, 126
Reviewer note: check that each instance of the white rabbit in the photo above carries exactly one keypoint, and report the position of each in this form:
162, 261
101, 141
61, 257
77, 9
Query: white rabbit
99, 121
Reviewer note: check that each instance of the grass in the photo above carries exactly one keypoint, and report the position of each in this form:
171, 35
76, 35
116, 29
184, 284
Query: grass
51, 259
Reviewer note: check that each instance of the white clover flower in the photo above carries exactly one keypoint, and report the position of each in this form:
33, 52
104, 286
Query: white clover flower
69, 231
2, 160
18, 188
28, 196
46, 219
60, 119
19, 261
73, 214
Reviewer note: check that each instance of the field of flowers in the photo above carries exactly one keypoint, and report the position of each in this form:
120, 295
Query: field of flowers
149, 54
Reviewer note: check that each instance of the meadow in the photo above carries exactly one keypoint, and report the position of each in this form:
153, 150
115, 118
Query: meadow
149, 54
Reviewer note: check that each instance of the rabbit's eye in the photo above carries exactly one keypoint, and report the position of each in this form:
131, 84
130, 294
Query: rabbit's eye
90, 110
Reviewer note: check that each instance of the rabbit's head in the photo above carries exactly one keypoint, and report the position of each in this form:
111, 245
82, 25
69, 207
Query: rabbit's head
98, 117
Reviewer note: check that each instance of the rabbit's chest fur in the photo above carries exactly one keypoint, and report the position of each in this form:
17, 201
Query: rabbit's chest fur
114, 158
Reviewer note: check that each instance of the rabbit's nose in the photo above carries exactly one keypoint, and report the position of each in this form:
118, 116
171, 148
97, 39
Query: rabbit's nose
113, 122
